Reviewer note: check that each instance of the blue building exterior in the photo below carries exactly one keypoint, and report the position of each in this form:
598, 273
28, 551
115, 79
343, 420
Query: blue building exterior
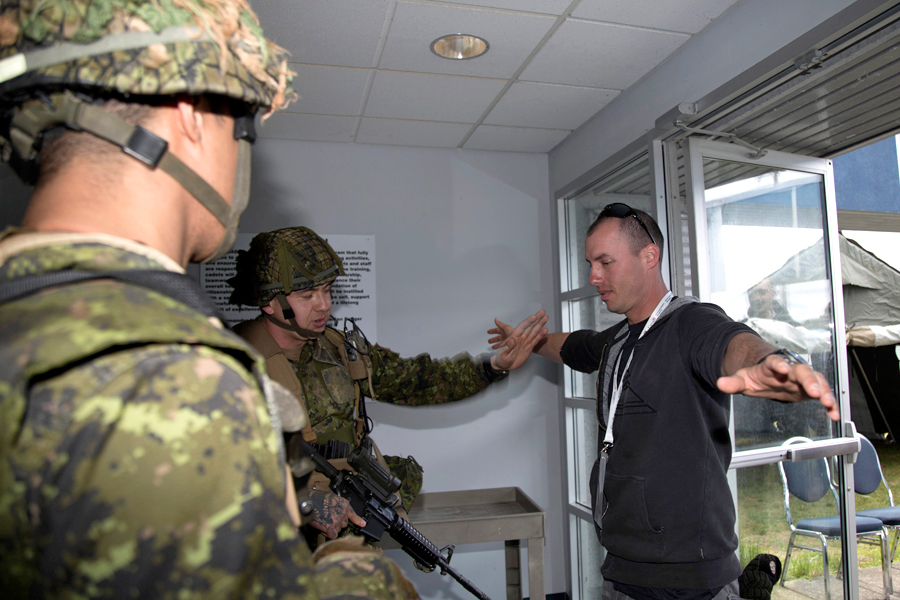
869, 178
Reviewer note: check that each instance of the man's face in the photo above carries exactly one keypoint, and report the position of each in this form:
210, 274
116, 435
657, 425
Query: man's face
762, 297
311, 307
618, 275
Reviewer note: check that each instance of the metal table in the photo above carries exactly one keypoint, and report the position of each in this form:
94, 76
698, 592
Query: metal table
489, 515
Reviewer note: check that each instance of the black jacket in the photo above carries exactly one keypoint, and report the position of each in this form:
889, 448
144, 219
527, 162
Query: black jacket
668, 515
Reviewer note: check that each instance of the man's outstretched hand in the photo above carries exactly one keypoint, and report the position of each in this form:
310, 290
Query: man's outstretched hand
779, 379
516, 343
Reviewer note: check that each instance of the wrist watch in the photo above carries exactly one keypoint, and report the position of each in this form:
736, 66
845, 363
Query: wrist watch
790, 356
491, 373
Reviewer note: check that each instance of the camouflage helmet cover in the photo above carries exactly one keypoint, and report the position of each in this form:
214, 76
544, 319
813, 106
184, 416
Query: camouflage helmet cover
140, 47
283, 261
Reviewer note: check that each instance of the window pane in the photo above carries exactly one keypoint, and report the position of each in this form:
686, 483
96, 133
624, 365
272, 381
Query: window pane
769, 268
587, 583
582, 451
589, 313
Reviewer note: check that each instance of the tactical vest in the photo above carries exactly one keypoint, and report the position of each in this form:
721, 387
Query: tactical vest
279, 369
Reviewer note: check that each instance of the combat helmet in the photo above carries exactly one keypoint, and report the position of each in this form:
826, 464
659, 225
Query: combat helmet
61, 59
280, 262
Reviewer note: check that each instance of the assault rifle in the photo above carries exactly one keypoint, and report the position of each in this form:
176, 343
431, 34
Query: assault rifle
372, 494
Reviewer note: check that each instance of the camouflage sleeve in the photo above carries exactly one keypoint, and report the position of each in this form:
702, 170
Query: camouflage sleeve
422, 380
154, 473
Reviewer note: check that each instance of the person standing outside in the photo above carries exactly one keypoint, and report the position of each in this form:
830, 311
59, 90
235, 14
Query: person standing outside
140, 451
662, 506
288, 274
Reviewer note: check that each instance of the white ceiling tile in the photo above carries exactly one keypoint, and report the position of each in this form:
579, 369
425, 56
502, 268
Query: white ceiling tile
417, 98
548, 105
411, 133
336, 32
512, 37
319, 128
591, 54
549, 7
328, 90
515, 139
688, 16
431, 97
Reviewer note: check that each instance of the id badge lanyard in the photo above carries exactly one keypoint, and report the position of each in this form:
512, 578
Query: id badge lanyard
617, 385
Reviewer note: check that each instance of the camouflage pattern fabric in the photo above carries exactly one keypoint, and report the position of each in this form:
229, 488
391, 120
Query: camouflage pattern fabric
282, 261
410, 474
420, 381
233, 58
330, 394
137, 455
349, 558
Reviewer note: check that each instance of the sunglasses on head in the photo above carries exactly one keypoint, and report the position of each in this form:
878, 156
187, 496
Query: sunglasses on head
623, 211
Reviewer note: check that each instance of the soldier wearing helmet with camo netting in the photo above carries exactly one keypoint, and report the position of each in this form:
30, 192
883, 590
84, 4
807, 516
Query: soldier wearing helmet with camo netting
140, 444
288, 273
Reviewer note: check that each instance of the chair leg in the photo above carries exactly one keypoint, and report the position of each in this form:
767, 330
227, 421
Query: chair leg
894, 543
787, 558
886, 564
827, 574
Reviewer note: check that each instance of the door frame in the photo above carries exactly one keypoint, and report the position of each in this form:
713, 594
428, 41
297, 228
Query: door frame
844, 445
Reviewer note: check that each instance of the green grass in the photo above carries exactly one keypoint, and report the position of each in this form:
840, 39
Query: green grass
763, 527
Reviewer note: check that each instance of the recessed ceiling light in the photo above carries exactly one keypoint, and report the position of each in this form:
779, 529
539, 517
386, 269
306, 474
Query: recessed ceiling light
459, 46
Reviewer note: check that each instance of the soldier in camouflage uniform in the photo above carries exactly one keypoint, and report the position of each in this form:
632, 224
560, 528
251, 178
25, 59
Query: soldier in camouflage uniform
288, 273
140, 448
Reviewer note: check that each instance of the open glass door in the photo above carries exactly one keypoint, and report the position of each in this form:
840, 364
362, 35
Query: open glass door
764, 248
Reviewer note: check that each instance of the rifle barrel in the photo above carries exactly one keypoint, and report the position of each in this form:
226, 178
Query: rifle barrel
445, 566
413, 543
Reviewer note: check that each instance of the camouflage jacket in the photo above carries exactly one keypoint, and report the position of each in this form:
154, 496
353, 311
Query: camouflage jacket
329, 394
137, 453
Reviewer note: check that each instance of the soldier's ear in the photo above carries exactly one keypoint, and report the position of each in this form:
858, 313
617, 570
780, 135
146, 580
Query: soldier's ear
269, 308
190, 118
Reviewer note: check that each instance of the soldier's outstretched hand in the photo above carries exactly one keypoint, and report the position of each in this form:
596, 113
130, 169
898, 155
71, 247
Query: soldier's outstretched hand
516, 344
332, 513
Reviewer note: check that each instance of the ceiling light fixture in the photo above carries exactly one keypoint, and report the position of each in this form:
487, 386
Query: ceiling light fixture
459, 46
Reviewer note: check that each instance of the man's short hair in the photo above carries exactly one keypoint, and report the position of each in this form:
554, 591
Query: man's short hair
637, 237
58, 152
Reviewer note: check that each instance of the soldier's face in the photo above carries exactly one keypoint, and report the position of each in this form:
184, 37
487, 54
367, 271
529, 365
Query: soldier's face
312, 307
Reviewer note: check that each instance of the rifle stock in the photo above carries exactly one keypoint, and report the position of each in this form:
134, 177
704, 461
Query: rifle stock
371, 503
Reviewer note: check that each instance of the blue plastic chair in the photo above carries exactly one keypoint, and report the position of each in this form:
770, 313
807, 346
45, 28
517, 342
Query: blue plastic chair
868, 476
810, 481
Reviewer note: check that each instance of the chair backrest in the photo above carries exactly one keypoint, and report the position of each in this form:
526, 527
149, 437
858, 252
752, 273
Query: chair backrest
867, 474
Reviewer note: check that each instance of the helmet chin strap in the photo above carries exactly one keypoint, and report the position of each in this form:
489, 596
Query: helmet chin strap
30, 121
288, 313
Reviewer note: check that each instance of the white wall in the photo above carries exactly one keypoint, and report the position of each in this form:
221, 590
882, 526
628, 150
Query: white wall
461, 237
745, 34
